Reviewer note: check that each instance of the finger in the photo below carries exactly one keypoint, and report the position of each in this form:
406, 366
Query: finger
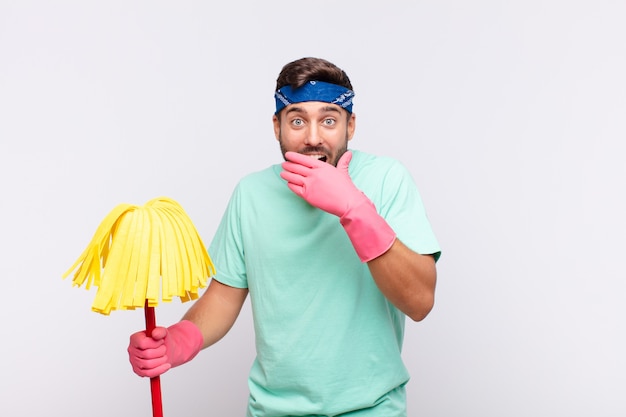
158, 333
295, 177
152, 363
152, 372
297, 189
344, 161
297, 168
148, 353
140, 341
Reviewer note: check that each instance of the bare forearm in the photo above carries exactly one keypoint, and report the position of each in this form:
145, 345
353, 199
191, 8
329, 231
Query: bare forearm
216, 311
407, 279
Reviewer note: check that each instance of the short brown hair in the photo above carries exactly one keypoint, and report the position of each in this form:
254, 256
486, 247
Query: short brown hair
297, 73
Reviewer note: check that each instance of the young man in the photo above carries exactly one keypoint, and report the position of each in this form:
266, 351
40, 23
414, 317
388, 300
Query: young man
334, 248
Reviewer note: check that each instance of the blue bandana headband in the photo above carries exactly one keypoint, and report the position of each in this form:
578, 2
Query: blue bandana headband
314, 91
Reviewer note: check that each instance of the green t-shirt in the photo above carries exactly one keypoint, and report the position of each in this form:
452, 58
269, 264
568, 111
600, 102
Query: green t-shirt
327, 340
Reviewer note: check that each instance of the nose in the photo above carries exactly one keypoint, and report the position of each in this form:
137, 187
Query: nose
313, 137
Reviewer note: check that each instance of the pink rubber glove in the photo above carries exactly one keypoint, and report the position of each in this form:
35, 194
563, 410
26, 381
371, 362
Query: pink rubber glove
331, 189
167, 348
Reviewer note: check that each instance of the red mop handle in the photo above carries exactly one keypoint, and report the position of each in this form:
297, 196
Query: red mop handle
155, 383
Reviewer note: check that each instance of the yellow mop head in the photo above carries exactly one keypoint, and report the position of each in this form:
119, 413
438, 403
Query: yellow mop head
134, 248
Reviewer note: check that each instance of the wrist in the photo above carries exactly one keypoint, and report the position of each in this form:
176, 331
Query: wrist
369, 232
185, 341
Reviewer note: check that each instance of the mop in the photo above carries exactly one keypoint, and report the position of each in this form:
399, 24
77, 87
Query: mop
138, 252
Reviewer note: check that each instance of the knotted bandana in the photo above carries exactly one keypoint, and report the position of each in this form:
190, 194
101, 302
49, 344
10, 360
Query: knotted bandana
314, 91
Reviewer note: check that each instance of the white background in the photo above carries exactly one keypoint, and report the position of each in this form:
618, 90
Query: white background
510, 115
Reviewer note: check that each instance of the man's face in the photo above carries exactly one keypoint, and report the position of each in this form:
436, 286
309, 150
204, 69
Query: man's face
315, 128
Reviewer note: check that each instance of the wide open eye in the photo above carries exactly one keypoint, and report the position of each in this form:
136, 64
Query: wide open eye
297, 122
329, 122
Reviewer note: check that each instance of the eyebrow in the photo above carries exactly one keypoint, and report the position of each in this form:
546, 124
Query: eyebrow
295, 109
331, 109
325, 109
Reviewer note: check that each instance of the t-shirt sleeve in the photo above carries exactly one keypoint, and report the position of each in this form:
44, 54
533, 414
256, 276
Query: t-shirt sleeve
404, 210
227, 249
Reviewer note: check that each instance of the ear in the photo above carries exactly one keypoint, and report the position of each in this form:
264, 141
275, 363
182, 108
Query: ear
276, 123
351, 126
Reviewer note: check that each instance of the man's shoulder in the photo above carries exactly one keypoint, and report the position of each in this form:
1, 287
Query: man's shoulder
266, 174
263, 181
367, 162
